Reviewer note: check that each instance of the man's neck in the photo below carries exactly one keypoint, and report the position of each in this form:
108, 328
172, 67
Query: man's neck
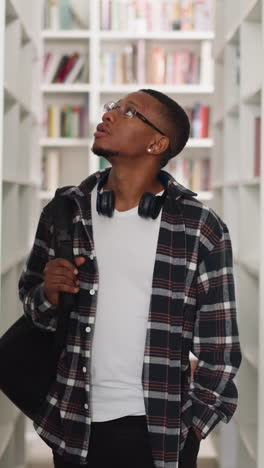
129, 188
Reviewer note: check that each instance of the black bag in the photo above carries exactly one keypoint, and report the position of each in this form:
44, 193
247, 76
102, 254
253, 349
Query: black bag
28, 354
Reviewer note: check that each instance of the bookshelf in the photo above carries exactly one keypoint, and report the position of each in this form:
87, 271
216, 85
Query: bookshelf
239, 198
20, 181
102, 42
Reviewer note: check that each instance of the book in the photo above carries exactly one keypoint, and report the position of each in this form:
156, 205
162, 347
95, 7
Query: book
203, 15
176, 15
75, 70
51, 170
65, 15
53, 126
75, 121
63, 60
158, 15
141, 61
206, 64
52, 67
204, 116
157, 65
257, 146
67, 67
53, 16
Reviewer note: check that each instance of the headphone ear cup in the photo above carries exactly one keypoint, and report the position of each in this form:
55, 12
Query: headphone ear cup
146, 205
105, 203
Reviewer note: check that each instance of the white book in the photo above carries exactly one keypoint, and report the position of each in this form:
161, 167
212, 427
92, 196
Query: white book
131, 15
203, 15
54, 15
206, 64
52, 67
169, 69
51, 170
105, 14
141, 61
156, 16
75, 70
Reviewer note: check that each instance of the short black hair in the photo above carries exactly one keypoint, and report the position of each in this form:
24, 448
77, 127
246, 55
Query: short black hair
176, 116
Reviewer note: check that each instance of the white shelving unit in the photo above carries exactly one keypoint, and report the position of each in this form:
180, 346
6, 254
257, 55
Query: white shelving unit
95, 93
20, 181
239, 199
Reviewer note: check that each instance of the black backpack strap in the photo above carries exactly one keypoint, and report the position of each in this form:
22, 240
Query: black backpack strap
63, 235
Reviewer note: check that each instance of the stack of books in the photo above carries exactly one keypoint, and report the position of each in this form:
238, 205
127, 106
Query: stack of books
66, 122
137, 63
65, 68
142, 16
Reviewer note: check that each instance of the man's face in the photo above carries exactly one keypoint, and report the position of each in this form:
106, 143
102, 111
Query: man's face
118, 135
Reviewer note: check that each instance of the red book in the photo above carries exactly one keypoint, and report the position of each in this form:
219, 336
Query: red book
61, 65
204, 115
68, 65
257, 146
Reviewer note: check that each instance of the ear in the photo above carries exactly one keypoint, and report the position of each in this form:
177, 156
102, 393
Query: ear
158, 145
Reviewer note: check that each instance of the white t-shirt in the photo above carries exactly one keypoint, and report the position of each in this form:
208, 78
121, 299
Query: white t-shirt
125, 247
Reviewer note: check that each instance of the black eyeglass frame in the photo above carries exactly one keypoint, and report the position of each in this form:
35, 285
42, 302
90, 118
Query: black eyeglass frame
138, 114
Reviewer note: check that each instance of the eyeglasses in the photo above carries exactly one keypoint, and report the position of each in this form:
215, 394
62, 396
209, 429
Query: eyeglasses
129, 111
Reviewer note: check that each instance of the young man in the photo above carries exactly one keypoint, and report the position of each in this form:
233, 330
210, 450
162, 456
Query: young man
153, 281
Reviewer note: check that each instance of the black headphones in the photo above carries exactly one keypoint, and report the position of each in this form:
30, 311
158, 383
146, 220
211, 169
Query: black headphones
149, 205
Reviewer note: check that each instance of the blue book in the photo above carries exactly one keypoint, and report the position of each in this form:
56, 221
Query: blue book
65, 15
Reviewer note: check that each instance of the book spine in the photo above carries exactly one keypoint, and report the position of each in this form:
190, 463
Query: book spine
63, 122
206, 69
141, 61
75, 121
61, 65
158, 65
204, 114
51, 170
176, 15
257, 148
54, 14
69, 124
65, 17
69, 65
73, 74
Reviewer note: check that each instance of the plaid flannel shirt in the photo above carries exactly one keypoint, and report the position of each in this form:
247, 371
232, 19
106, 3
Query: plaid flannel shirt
192, 308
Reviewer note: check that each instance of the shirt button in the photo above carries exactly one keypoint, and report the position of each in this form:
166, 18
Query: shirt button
84, 369
92, 292
86, 406
87, 387
88, 329
91, 257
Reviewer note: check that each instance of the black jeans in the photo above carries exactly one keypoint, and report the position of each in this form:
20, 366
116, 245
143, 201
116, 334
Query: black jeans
124, 443
119, 443
188, 455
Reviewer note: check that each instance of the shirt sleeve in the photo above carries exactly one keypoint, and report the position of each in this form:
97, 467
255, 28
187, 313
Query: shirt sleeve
216, 338
31, 282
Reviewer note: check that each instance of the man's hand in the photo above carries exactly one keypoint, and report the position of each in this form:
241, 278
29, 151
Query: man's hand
61, 275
